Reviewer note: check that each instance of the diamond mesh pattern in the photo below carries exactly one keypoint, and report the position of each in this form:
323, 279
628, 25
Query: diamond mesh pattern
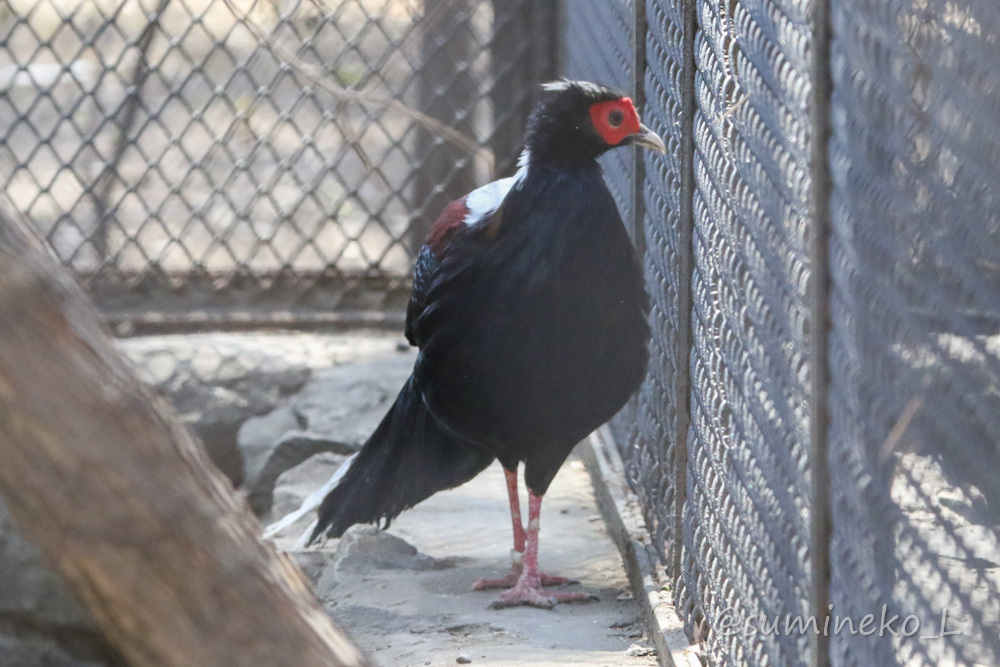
748, 470
915, 354
214, 153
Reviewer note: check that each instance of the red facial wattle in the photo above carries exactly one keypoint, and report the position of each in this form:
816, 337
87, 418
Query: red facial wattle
605, 114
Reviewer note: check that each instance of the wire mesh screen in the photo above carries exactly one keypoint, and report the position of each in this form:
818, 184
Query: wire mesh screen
915, 351
731, 222
254, 155
745, 513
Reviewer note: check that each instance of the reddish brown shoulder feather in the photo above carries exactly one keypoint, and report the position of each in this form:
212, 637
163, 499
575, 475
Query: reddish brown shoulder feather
451, 218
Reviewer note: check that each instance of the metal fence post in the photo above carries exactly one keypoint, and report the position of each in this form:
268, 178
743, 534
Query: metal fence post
447, 92
639, 92
685, 296
519, 66
819, 295
129, 108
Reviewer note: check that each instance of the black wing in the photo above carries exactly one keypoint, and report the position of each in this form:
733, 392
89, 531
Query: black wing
423, 276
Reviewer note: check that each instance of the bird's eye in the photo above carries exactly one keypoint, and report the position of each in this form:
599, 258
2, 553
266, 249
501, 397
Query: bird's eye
615, 118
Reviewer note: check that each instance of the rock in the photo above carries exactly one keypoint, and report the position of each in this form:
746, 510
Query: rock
364, 549
215, 385
41, 622
293, 448
334, 412
215, 415
637, 651
294, 485
347, 403
29, 589
39, 652
463, 660
258, 438
312, 562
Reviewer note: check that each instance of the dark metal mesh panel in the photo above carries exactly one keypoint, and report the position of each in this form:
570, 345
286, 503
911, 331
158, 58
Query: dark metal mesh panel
745, 518
259, 155
915, 354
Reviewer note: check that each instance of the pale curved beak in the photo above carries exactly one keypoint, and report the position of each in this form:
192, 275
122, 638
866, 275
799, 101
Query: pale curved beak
646, 138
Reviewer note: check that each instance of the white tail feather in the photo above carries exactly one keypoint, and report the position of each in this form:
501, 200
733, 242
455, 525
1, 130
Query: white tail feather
308, 505
303, 540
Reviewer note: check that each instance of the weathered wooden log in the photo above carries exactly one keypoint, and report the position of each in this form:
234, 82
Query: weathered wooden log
125, 504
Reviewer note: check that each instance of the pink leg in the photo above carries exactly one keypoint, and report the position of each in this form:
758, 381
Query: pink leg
517, 554
528, 589
515, 509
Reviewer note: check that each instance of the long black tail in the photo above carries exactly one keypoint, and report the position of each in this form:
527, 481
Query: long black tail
407, 459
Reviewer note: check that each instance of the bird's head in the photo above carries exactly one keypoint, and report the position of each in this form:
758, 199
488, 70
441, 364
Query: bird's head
577, 121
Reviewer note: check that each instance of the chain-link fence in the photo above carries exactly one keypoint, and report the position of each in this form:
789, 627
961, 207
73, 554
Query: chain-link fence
207, 161
818, 433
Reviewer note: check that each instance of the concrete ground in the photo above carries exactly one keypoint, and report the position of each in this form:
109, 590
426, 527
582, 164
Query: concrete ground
414, 605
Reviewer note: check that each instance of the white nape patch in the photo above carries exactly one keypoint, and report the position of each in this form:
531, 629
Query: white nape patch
556, 86
566, 84
481, 202
310, 503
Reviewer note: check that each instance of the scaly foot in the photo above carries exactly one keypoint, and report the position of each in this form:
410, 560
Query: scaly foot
511, 580
532, 596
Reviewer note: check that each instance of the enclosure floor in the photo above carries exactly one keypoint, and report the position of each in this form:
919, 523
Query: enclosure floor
431, 617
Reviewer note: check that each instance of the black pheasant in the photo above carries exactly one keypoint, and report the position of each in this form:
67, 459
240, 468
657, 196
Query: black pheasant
529, 311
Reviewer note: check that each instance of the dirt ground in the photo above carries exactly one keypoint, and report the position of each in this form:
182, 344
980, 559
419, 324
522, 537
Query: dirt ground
407, 606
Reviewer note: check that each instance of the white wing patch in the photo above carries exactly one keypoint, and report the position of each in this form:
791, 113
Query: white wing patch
481, 202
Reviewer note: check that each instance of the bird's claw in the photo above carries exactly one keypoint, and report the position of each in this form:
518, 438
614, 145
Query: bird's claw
548, 580
510, 581
523, 595
487, 584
